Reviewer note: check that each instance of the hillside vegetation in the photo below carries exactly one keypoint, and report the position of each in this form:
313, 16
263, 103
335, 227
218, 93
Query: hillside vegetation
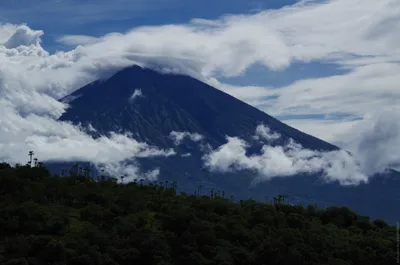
74, 220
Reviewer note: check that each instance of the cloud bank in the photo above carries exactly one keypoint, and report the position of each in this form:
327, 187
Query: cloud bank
375, 141
283, 161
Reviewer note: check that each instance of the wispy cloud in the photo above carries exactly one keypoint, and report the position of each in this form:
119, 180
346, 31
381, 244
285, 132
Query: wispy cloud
136, 94
178, 137
264, 133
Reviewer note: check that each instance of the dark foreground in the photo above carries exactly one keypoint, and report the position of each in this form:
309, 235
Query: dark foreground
74, 220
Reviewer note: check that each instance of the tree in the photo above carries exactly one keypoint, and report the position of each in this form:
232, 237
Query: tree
46, 220
4, 165
380, 223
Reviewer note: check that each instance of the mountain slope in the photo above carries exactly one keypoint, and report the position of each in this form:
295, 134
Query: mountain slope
180, 103
172, 103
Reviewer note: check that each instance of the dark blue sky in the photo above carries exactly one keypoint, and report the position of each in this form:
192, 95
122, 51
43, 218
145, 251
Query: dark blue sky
99, 17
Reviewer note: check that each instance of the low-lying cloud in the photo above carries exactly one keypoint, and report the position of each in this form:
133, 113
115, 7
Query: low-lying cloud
136, 94
31, 80
128, 171
376, 140
61, 141
178, 137
264, 133
283, 161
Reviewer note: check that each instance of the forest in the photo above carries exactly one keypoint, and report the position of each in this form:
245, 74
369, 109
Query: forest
74, 219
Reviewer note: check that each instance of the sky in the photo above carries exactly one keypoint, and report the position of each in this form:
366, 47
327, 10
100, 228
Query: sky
328, 68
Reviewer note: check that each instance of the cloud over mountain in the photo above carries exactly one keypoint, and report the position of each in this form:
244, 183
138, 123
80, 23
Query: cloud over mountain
30, 82
282, 161
136, 94
178, 137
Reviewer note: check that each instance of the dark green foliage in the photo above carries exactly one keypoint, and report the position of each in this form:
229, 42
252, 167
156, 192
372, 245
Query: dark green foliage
74, 220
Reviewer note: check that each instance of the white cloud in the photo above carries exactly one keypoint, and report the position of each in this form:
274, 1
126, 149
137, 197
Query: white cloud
23, 36
91, 128
130, 172
273, 38
61, 141
137, 93
74, 40
364, 89
178, 137
284, 161
264, 133
31, 80
375, 141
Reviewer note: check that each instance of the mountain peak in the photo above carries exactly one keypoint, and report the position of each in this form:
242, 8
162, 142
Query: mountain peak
171, 102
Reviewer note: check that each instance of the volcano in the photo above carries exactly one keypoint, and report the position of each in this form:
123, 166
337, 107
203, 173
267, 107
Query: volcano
150, 105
